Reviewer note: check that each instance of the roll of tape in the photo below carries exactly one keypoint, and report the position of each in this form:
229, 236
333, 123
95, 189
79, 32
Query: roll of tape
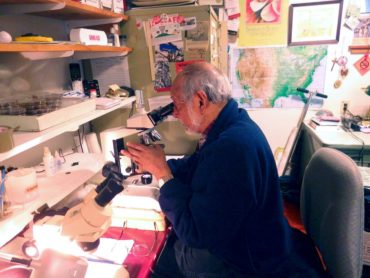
6, 139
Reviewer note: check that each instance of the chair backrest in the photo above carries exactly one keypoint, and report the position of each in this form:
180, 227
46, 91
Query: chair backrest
332, 211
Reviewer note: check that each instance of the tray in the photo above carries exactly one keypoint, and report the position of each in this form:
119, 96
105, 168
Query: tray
70, 108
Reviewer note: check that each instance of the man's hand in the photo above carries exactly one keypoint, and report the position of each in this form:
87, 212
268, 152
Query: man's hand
148, 158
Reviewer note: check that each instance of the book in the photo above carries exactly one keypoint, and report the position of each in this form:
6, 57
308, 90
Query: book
325, 120
105, 103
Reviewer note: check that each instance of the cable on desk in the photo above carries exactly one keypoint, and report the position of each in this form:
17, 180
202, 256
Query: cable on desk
132, 109
362, 150
14, 267
141, 245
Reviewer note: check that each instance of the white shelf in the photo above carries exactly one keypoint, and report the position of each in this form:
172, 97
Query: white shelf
51, 190
27, 140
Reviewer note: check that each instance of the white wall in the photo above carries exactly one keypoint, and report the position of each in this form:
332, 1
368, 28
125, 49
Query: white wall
352, 85
278, 123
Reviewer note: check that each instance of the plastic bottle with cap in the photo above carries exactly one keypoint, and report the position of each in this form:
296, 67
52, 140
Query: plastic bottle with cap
49, 162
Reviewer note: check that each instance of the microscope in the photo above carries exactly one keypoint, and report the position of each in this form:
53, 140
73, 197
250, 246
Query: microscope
140, 128
87, 221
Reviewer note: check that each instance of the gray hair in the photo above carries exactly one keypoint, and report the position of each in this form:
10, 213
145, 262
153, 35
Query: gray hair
206, 77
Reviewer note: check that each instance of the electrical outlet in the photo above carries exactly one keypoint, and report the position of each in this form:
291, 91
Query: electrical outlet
344, 107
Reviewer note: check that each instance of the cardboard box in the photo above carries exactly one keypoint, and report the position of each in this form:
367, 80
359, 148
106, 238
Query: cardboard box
107, 4
94, 3
118, 6
210, 2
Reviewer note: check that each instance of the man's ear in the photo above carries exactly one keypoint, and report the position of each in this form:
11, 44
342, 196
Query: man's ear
202, 100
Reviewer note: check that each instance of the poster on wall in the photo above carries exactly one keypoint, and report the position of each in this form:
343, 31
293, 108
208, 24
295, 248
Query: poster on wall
263, 23
257, 12
268, 77
165, 28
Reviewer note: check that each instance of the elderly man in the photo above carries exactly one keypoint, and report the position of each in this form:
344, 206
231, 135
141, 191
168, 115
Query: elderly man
223, 201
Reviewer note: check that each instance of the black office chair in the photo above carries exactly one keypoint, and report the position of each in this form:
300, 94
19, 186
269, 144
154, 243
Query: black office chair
332, 211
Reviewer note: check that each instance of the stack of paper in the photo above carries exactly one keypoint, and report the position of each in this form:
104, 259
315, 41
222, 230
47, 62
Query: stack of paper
325, 120
105, 103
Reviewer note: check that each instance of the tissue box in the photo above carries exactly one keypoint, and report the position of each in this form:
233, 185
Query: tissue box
88, 36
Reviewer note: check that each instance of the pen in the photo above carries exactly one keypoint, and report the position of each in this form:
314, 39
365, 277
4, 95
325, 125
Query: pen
104, 261
2, 192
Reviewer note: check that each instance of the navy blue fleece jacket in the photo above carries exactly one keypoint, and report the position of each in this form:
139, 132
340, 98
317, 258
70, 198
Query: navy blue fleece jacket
226, 197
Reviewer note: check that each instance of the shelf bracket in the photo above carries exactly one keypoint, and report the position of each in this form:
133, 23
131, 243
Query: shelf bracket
46, 55
92, 22
30, 8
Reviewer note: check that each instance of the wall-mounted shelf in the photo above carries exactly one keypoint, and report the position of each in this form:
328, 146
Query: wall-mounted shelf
360, 46
59, 9
27, 140
36, 51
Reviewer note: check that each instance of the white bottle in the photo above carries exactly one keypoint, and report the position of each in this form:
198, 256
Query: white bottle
49, 162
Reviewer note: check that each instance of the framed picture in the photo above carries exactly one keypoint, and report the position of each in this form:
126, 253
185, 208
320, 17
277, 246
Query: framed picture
315, 23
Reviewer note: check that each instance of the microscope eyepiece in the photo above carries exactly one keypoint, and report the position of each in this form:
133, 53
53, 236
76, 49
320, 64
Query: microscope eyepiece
161, 113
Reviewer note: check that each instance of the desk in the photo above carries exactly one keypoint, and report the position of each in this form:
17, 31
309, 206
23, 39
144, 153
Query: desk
138, 265
333, 137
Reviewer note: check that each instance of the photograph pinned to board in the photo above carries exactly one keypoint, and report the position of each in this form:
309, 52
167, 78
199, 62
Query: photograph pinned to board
200, 33
165, 28
162, 81
197, 38
196, 54
188, 23
170, 52
362, 29
352, 14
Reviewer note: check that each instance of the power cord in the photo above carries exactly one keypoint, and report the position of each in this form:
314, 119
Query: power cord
142, 246
362, 150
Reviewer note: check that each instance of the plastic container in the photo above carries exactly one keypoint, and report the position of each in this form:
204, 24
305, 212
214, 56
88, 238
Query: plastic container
21, 186
49, 163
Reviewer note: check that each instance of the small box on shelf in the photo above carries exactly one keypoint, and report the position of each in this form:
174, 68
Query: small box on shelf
118, 6
94, 3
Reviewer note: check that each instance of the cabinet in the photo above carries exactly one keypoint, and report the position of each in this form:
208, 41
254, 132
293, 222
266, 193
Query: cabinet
71, 14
